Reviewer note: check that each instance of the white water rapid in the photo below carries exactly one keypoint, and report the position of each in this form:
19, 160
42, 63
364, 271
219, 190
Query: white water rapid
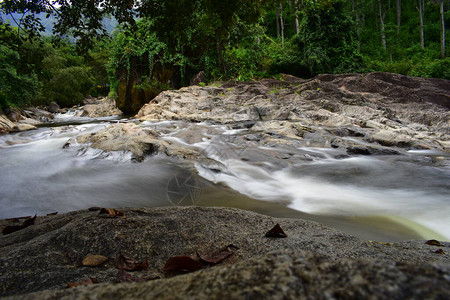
38, 176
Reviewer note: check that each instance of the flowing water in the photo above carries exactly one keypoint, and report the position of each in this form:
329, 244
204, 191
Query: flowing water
375, 197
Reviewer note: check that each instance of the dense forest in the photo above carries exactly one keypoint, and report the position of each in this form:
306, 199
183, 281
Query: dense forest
162, 44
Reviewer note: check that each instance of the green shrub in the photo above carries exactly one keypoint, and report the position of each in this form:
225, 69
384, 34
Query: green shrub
15, 89
328, 39
242, 63
436, 68
68, 86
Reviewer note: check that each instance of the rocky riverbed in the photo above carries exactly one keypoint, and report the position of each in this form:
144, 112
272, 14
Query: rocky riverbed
361, 112
16, 120
313, 261
367, 145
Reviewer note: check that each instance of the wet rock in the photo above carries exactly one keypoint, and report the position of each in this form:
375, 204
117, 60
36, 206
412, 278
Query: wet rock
369, 150
53, 107
141, 142
24, 127
380, 108
100, 108
6, 125
198, 78
30, 121
392, 138
313, 261
38, 114
14, 114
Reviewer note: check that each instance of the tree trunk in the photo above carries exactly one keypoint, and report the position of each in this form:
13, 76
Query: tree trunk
442, 30
282, 24
399, 15
422, 34
383, 31
358, 24
219, 49
296, 22
277, 17
363, 13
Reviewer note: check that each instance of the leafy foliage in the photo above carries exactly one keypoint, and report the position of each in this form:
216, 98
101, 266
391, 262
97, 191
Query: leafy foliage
15, 88
328, 39
162, 44
68, 86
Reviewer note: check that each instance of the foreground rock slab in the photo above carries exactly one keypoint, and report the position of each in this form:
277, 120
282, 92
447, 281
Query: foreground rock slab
314, 261
285, 274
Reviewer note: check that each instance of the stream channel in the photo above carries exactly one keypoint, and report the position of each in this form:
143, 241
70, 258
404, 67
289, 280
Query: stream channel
381, 198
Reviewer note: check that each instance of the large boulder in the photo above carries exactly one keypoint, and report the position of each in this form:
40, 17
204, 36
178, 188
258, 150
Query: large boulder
6, 125
133, 138
385, 109
312, 262
103, 108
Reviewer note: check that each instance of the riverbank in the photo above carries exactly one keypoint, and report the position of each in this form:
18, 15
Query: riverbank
49, 254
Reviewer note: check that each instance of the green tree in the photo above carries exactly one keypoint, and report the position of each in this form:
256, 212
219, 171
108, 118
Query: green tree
328, 39
15, 89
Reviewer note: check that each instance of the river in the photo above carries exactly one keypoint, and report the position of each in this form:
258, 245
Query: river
385, 198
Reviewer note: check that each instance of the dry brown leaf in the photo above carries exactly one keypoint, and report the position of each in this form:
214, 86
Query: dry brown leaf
439, 251
28, 222
215, 257
94, 260
82, 282
381, 243
113, 213
434, 243
276, 232
17, 220
129, 264
123, 276
181, 264
11, 229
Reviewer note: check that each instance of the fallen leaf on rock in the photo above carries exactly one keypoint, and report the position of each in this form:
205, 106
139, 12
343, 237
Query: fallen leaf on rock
276, 232
381, 243
28, 222
112, 212
215, 257
11, 229
123, 276
94, 260
434, 243
16, 220
82, 282
129, 264
439, 251
181, 264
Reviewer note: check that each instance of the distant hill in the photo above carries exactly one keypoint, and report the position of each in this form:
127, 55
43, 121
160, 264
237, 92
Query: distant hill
109, 23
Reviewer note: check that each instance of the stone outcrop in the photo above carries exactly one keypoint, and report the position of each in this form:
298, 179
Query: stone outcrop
348, 110
133, 138
100, 108
313, 262
6, 125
